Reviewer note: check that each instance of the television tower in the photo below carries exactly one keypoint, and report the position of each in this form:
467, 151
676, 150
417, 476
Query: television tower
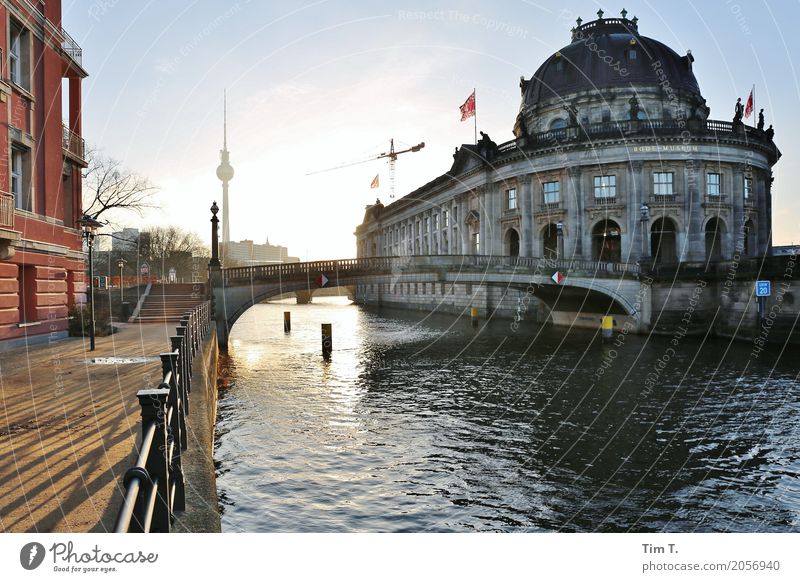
225, 173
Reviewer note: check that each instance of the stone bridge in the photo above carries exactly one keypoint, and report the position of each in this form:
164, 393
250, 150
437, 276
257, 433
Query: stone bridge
587, 286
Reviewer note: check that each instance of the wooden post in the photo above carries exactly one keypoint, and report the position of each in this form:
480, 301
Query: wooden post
327, 340
287, 321
154, 409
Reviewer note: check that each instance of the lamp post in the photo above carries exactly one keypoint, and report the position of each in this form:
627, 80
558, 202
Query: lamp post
120, 265
644, 210
560, 239
89, 225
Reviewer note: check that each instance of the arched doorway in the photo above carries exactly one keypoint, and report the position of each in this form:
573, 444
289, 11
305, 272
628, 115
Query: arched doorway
607, 242
550, 242
511, 243
749, 236
715, 229
663, 245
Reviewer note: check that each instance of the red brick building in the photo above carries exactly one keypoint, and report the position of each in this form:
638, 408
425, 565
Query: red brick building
41, 158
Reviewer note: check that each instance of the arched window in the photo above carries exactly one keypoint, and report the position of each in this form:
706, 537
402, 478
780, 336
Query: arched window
511, 243
607, 242
559, 123
550, 241
663, 245
715, 231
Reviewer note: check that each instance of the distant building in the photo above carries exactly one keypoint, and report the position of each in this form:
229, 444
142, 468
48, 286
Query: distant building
126, 239
41, 256
248, 252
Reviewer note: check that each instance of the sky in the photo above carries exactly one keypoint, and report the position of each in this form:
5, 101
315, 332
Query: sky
315, 85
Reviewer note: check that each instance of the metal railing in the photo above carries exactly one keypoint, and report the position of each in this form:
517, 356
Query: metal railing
72, 142
6, 210
72, 48
154, 486
349, 268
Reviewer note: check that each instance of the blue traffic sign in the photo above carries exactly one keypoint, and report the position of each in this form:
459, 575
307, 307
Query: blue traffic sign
763, 289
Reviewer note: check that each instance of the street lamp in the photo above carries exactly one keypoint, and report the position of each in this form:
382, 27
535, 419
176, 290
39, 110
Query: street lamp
644, 210
560, 239
89, 225
120, 264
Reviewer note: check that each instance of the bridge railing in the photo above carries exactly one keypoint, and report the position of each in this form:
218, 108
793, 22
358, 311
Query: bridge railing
381, 265
154, 486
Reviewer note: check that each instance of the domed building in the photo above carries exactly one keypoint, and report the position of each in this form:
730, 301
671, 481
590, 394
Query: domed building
615, 159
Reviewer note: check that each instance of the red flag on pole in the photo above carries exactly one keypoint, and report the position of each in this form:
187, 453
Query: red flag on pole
375, 181
468, 109
748, 109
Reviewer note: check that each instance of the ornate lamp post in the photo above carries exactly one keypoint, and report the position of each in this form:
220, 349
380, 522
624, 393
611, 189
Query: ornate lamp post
560, 238
644, 210
120, 265
89, 226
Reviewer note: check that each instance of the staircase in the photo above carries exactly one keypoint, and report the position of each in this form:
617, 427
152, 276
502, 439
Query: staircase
170, 302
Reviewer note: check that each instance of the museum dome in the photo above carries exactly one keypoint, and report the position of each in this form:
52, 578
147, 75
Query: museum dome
609, 53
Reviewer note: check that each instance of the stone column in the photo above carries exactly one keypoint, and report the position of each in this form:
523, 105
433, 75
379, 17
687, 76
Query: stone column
484, 220
760, 187
525, 217
736, 230
574, 204
637, 194
463, 233
765, 220
696, 247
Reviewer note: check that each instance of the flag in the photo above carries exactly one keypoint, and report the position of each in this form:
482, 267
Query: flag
468, 109
375, 181
748, 109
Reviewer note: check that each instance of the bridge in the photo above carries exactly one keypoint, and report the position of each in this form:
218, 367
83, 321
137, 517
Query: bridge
587, 286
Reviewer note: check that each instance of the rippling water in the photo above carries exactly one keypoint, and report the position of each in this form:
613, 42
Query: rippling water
424, 423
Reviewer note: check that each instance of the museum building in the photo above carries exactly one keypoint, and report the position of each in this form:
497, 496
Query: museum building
615, 159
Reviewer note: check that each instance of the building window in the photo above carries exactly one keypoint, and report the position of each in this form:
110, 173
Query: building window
632, 54
559, 123
445, 219
748, 187
605, 187
455, 215
662, 183
20, 182
476, 243
511, 199
713, 184
435, 222
18, 56
551, 192
606, 115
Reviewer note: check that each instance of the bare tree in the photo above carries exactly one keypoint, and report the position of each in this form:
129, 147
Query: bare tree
170, 246
107, 186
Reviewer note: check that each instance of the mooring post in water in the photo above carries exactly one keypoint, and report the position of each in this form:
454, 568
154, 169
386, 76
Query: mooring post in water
327, 340
287, 321
607, 327
473, 313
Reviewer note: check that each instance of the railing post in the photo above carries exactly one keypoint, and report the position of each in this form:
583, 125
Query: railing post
169, 363
177, 346
182, 332
154, 409
176, 439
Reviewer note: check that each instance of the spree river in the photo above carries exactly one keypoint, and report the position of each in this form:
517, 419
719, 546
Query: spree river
421, 422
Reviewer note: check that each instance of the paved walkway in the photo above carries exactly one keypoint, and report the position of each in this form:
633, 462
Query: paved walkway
69, 428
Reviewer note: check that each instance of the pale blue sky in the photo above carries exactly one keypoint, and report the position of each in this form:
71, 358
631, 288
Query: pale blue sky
311, 85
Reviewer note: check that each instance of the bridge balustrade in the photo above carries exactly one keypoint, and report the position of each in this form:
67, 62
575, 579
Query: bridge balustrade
381, 265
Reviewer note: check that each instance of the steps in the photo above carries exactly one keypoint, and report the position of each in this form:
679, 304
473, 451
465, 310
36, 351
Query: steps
170, 302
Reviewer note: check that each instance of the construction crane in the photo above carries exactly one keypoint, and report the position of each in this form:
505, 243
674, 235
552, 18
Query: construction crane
391, 155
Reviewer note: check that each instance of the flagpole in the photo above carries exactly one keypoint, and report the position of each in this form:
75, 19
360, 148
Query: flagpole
475, 104
754, 105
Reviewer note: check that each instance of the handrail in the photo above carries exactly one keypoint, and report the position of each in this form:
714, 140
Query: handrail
154, 486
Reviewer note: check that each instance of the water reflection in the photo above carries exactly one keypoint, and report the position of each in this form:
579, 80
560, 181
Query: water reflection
421, 423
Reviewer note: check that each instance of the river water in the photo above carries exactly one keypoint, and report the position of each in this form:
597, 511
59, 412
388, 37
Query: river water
422, 422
